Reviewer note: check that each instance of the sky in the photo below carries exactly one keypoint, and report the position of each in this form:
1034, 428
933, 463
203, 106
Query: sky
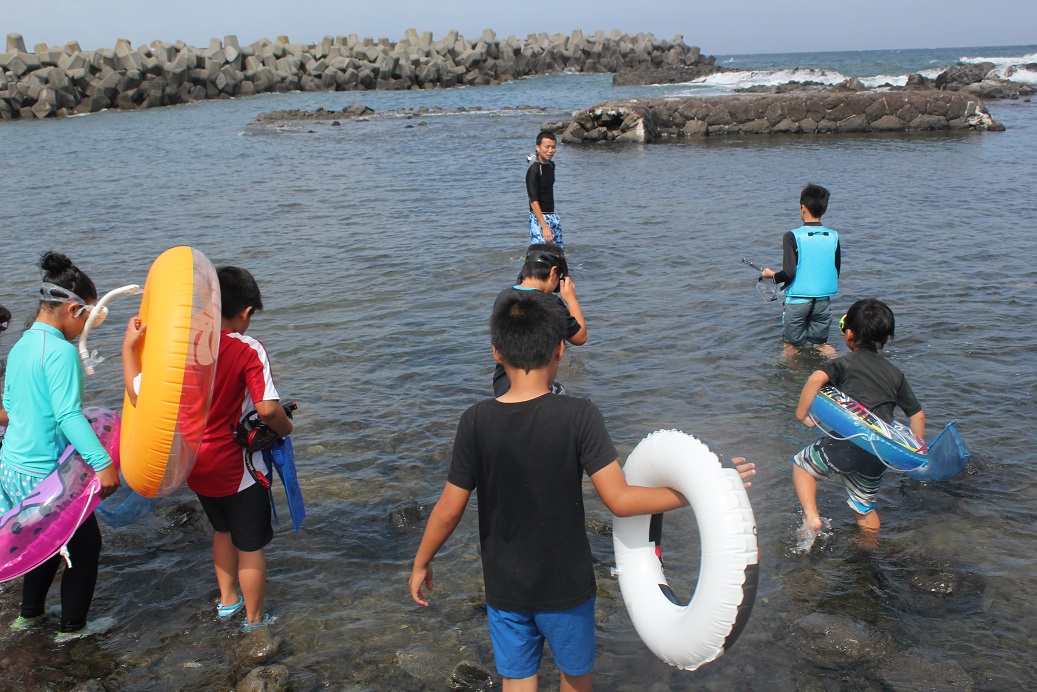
718, 28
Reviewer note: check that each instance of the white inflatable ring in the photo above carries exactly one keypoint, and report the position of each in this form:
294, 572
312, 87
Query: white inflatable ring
688, 636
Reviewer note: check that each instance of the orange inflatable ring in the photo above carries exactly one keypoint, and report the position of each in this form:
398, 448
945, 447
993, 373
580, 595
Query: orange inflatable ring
162, 433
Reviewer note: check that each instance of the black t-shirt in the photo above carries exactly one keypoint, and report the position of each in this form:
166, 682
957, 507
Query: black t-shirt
540, 185
526, 463
501, 383
874, 381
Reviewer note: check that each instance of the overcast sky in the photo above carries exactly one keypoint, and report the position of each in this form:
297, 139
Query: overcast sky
718, 27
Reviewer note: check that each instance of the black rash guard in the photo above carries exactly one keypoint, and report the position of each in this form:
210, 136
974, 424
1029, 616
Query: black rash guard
540, 185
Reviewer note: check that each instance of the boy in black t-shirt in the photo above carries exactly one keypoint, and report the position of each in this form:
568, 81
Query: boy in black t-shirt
877, 384
525, 453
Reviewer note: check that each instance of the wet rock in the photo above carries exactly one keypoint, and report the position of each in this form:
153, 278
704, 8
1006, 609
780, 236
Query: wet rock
835, 641
406, 515
265, 679
424, 666
468, 675
258, 646
960, 74
89, 686
651, 120
910, 672
916, 82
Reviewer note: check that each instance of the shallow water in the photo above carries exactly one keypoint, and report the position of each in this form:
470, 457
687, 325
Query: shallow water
380, 248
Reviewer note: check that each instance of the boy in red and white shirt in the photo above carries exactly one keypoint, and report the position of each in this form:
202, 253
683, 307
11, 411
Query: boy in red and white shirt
237, 505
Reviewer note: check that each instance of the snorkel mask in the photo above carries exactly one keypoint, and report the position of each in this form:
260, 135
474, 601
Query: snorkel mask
52, 293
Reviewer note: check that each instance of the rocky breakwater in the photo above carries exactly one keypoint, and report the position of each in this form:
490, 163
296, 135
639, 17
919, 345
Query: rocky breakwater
652, 120
62, 80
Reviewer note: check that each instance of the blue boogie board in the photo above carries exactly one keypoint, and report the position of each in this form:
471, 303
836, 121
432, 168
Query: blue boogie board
279, 456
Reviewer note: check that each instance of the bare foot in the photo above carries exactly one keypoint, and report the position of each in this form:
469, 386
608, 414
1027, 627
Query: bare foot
790, 351
812, 523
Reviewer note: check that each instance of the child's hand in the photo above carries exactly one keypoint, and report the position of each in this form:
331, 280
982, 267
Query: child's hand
134, 330
745, 470
109, 478
808, 421
567, 289
767, 273
419, 576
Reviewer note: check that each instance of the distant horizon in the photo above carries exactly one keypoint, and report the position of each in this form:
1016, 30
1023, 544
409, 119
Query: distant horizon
735, 27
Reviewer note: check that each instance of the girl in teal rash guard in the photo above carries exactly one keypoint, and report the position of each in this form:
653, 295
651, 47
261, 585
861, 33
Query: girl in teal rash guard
43, 400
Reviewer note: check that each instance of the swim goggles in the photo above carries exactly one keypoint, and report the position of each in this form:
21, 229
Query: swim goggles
52, 293
842, 324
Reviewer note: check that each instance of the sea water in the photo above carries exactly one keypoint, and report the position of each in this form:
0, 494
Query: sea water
380, 246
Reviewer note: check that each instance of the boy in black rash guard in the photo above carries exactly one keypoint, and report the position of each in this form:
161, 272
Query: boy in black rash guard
545, 269
544, 224
880, 387
525, 454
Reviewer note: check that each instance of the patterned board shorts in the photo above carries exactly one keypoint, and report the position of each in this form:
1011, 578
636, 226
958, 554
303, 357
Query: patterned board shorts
860, 472
536, 234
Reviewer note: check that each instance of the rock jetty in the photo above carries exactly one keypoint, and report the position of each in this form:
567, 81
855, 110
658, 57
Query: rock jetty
63, 80
652, 120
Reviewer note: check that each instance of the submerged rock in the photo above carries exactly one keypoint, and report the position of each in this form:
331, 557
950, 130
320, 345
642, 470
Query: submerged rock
258, 646
910, 672
265, 679
405, 515
470, 676
835, 641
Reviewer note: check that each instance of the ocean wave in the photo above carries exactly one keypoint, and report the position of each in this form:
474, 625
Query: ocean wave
1011, 68
748, 78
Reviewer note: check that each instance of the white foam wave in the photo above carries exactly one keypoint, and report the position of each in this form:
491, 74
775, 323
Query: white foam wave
748, 78
1012, 69
1003, 61
883, 80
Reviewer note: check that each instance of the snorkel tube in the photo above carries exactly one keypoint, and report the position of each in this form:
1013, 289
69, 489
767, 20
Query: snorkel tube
98, 314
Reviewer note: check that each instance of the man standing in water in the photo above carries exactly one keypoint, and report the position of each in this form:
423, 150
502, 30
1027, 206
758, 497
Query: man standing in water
544, 224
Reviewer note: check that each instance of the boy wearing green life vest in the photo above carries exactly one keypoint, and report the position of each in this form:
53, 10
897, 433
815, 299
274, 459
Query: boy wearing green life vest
809, 274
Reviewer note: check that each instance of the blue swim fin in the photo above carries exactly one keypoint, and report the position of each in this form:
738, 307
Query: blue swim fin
279, 456
948, 456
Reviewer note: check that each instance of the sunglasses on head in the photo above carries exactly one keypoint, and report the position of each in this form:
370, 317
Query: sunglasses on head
842, 324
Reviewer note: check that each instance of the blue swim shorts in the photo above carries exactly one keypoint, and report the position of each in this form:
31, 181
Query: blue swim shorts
518, 640
536, 233
807, 323
860, 472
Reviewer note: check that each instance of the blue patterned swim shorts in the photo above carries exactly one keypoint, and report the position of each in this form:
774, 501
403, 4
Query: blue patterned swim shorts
536, 234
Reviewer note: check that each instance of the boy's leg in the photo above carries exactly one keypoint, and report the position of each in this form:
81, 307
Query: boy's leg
806, 491
250, 532
225, 560
252, 576
576, 683
810, 465
529, 684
